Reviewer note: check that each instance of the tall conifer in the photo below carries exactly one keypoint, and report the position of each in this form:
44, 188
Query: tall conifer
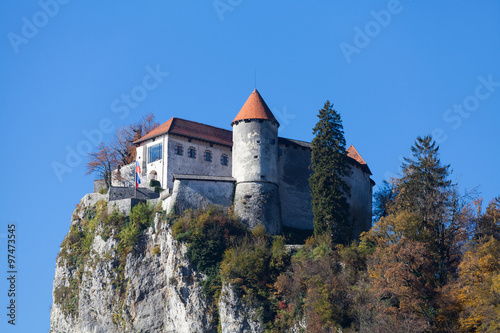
329, 166
425, 190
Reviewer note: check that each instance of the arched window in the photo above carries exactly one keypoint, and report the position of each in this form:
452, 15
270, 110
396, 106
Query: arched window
153, 175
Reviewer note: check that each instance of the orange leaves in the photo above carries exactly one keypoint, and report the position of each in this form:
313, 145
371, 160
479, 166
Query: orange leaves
478, 288
123, 142
120, 151
402, 278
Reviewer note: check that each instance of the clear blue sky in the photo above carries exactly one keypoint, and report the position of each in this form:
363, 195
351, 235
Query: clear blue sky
393, 70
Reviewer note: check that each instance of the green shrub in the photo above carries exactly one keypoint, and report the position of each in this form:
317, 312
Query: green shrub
67, 297
103, 190
208, 234
154, 183
253, 266
128, 238
255, 262
141, 217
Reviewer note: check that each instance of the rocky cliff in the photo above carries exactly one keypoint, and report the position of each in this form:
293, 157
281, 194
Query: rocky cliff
104, 284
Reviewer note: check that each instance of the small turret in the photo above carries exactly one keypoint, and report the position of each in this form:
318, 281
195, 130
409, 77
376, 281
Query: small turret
255, 165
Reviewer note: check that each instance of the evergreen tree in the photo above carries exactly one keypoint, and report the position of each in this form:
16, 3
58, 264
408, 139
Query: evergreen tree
424, 187
330, 167
424, 190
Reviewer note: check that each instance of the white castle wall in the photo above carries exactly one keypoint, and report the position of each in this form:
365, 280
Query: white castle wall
126, 177
196, 166
198, 192
171, 163
255, 151
255, 168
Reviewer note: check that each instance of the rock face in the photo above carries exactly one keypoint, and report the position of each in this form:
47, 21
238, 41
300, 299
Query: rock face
155, 289
236, 316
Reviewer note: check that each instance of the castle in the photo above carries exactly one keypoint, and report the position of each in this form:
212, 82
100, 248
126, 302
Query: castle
263, 176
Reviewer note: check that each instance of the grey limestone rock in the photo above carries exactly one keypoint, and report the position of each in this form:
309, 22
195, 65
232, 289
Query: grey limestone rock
157, 289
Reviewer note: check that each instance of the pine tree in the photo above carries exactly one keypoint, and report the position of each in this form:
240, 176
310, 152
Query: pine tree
330, 167
425, 190
424, 187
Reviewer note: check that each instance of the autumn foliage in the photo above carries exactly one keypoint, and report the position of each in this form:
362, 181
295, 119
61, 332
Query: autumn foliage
430, 263
120, 151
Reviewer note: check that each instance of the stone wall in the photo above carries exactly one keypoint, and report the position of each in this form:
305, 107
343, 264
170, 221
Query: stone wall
257, 203
255, 151
172, 163
124, 176
294, 163
295, 193
184, 164
123, 206
119, 193
197, 192
361, 199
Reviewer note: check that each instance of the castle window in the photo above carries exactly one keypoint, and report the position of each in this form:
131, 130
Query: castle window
154, 152
208, 156
179, 150
192, 152
224, 160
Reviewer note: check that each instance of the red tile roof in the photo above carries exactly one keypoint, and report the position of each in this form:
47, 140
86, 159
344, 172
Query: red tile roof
353, 153
255, 108
193, 130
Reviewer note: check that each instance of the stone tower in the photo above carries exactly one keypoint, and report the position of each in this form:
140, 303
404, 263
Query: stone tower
255, 165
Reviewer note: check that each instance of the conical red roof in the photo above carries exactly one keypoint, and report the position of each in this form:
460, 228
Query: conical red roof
255, 108
353, 153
